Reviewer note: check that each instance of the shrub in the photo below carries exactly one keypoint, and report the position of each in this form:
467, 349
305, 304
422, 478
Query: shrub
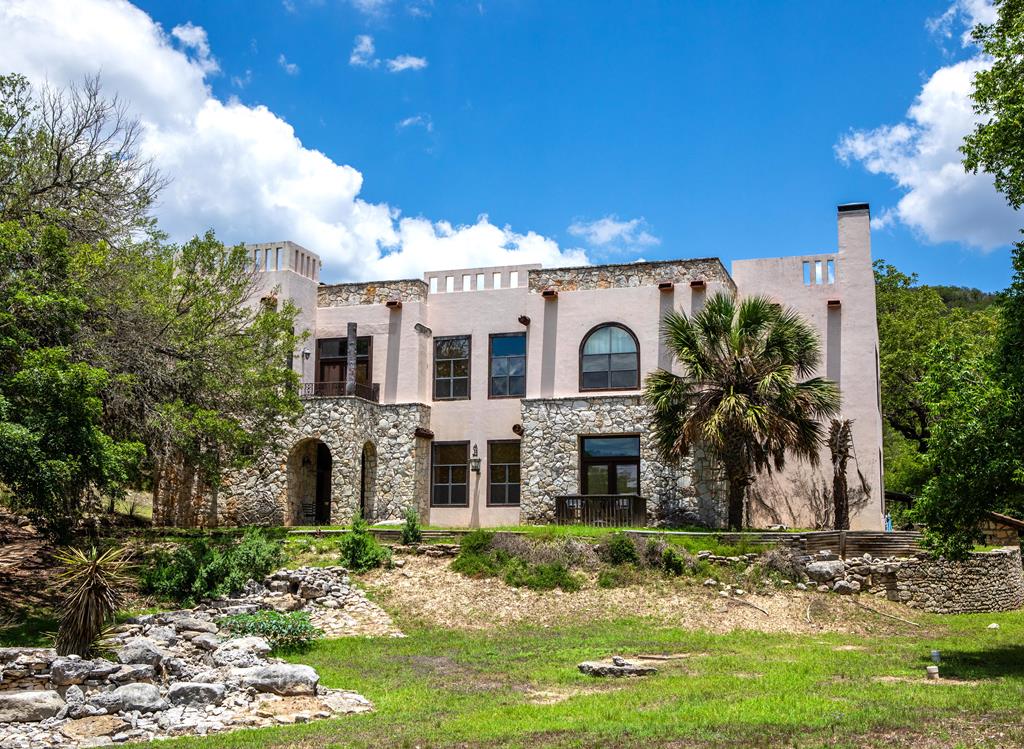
674, 563
519, 574
619, 577
477, 541
284, 632
94, 583
571, 552
204, 568
411, 531
620, 549
782, 562
360, 551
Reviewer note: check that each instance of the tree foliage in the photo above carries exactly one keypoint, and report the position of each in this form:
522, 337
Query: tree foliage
742, 398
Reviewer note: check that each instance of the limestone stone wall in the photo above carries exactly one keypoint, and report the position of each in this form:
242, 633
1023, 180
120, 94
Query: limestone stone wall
985, 581
996, 533
371, 292
258, 495
629, 275
675, 494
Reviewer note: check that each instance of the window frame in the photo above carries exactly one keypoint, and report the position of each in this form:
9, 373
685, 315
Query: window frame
469, 369
584, 461
369, 359
579, 362
506, 483
490, 363
433, 455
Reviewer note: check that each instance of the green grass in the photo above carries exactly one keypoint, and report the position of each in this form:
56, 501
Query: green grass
442, 687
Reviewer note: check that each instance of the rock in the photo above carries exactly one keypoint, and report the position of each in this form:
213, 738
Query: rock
243, 652
133, 672
284, 603
29, 707
178, 669
344, 702
140, 650
723, 593
206, 641
285, 679
195, 693
800, 586
191, 624
74, 695
604, 668
165, 635
845, 588
826, 570
142, 697
102, 668
993, 625
823, 589
92, 727
710, 583
68, 670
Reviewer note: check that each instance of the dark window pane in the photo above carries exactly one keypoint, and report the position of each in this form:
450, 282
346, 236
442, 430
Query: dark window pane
460, 388
459, 474
443, 389
624, 379
595, 380
513, 494
513, 474
516, 385
597, 479
504, 452
611, 447
499, 366
499, 386
458, 494
627, 478
509, 345
363, 346
444, 369
498, 474
623, 361
517, 365
441, 495
595, 363
449, 454
460, 368
498, 494
330, 347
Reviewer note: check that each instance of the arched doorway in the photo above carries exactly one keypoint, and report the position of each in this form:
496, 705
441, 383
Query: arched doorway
368, 481
309, 484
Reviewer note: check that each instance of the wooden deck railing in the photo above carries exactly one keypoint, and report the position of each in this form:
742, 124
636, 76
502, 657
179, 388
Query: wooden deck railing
365, 390
618, 510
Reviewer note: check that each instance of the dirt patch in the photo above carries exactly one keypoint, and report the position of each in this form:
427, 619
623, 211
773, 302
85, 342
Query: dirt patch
455, 676
923, 680
428, 590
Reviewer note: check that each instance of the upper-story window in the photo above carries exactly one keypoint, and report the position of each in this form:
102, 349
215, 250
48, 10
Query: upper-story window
508, 365
610, 359
332, 359
451, 367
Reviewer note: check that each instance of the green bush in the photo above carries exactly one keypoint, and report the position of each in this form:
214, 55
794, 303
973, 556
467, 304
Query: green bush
360, 551
205, 568
519, 574
673, 563
477, 541
620, 549
477, 558
290, 632
411, 531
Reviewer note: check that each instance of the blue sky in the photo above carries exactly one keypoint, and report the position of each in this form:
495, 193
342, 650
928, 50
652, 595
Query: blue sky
692, 129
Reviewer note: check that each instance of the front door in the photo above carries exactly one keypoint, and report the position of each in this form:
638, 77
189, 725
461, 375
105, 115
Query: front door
323, 485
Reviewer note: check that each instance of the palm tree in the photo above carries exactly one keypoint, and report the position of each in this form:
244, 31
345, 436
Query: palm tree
743, 398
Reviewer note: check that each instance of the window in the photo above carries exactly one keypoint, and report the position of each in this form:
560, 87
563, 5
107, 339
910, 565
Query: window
479, 281
503, 473
449, 284
433, 285
508, 365
610, 465
451, 367
609, 359
496, 280
332, 359
513, 279
467, 281
450, 485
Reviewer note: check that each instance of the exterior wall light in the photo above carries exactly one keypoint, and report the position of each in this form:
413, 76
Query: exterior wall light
474, 462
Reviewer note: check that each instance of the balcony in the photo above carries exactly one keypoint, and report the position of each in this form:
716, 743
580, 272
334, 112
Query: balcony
366, 390
613, 510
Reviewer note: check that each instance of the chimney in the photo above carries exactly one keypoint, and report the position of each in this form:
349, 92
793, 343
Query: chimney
855, 231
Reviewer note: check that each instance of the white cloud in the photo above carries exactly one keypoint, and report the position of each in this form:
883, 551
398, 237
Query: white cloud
419, 120
241, 81
371, 8
363, 53
289, 67
963, 15
406, 62
241, 169
940, 201
609, 232
194, 38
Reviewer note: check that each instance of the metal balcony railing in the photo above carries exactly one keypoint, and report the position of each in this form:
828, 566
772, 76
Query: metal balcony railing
618, 510
366, 390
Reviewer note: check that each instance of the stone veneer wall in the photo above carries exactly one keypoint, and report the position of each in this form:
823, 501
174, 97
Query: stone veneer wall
629, 275
371, 292
258, 495
985, 581
675, 494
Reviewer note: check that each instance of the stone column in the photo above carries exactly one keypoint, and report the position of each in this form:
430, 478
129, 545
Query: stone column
350, 369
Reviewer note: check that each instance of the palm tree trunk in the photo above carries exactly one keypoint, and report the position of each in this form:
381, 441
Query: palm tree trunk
737, 489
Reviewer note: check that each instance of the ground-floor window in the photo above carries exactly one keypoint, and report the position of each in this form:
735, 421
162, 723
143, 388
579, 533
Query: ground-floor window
503, 473
610, 464
450, 471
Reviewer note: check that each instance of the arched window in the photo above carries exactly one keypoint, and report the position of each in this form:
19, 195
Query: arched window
610, 359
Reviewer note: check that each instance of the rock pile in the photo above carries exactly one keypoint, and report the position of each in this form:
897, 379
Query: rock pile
178, 673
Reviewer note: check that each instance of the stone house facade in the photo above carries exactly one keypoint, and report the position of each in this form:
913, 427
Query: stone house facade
495, 396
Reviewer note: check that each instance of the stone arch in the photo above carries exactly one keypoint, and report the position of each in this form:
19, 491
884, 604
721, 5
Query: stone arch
310, 465
368, 481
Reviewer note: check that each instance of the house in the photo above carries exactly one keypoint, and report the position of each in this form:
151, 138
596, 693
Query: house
505, 395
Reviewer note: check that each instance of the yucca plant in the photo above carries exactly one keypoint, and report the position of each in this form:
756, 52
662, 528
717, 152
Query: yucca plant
93, 583
743, 398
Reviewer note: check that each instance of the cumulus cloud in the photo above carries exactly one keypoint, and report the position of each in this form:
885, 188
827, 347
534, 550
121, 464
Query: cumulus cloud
940, 201
194, 38
610, 232
241, 169
289, 67
364, 55
406, 62
419, 120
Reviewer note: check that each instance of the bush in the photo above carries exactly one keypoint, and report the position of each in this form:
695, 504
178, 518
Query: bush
619, 577
477, 541
571, 552
284, 632
94, 583
620, 549
781, 562
519, 574
360, 551
204, 568
411, 531
674, 563
520, 562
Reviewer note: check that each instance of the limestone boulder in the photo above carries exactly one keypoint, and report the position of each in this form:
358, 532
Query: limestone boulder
196, 693
140, 650
29, 707
67, 670
826, 570
243, 652
142, 697
285, 679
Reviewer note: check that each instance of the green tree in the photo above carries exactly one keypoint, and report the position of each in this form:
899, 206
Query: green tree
742, 398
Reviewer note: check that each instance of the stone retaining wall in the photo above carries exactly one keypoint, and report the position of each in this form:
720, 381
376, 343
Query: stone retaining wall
986, 581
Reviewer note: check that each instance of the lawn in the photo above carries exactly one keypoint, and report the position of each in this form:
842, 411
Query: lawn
519, 687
